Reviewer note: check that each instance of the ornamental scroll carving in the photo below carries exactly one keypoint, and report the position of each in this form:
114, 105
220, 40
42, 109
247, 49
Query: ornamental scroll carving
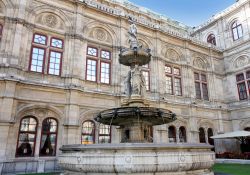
172, 55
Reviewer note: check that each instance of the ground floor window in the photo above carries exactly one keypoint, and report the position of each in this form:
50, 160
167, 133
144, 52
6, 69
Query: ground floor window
182, 134
27, 137
202, 135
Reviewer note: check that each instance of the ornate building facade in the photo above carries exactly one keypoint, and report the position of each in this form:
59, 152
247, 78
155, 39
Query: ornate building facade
59, 67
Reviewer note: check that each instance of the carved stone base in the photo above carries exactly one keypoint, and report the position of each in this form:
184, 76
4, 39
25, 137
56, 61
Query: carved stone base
134, 101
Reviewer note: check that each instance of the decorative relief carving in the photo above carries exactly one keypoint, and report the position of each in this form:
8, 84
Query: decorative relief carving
100, 35
172, 55
241, 61
199, 63
50, 20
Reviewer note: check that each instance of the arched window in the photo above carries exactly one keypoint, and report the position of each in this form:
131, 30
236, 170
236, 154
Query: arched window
237, 30
88, 132
26, 137
211, 39
210, 133
104, 134
49, 137
171, 134
182, 134
202, 135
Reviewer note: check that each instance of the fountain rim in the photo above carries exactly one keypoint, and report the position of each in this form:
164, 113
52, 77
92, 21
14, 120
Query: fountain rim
135, 146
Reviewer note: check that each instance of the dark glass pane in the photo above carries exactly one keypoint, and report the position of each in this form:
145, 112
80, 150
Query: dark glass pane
26, 144
242, 91
240, 77
203, 78
182, 134
48, 145
202, 136
168, 69
177, 84
105, 54
198, 90
171, 134
177, 71
92, 51
55, 63
105, 73
87, 139
205, 91
210, 134
37, 59
104, 133
196, 76
146, 76
248, 74
49, 125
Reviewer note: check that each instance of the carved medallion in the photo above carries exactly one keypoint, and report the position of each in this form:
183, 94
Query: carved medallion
241, 61
50, 20
100, 34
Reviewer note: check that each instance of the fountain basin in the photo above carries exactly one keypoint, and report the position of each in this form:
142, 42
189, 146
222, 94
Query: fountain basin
137, 158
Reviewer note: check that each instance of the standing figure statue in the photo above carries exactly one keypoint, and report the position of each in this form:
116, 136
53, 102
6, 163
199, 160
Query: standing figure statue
133, 35
137, 82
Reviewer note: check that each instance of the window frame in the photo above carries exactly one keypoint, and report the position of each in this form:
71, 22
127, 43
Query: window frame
173, 76
238, 25
1, 31
109, 135
211, 39
94, 127
48, 48
42, 132
201, 83
246, 82
99, 60
19, 132
174, 134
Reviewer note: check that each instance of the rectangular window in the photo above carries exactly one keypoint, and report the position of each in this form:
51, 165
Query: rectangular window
37, 59
201, 89
98, 65
55, 63
45, 53
173, 80
105, 72
91, 69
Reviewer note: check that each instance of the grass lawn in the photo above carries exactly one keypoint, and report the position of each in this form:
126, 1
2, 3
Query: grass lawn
232, 169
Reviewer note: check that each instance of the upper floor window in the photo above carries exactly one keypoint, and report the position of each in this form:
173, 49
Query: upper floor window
173, 80
46, 54
201, 88
98, 67
104, 133
237, 30
211, 39
49, 137
243, 85
27, 137
146, 74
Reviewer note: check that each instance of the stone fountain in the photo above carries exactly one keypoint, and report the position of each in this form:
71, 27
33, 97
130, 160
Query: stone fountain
136, 154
